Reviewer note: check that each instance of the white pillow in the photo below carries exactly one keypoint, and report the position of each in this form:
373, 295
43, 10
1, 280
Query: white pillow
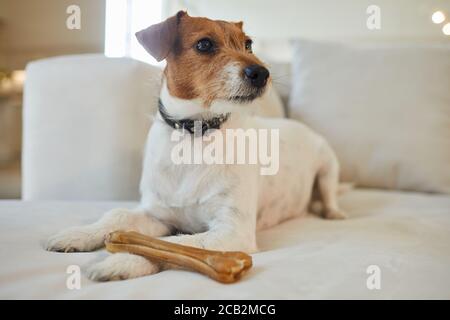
385, 109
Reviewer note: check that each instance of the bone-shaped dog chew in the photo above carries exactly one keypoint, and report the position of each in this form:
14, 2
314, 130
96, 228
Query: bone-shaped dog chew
226, 267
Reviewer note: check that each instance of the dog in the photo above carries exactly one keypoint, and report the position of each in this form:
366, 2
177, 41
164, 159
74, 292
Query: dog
211, 75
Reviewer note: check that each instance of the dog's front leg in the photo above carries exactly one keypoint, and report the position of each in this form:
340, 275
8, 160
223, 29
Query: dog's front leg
91, 237
221, 240
231, 228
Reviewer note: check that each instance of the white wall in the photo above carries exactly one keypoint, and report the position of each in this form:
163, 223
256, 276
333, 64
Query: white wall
31, 29
270, 21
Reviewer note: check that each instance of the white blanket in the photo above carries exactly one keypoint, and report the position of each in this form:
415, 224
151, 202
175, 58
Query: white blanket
407, 235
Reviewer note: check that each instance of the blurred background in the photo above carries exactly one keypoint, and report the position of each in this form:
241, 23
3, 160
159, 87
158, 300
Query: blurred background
36, 29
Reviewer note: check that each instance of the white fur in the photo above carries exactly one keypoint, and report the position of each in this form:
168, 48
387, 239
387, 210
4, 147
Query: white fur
215, 206
233, 83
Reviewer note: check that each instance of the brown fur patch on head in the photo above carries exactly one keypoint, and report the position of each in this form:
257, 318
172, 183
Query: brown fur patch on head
192, 74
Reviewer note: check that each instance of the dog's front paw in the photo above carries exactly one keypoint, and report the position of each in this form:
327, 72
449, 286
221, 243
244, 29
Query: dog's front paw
335, 214
121, 266
75, 239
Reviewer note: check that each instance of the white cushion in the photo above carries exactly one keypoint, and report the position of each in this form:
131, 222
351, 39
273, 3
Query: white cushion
385, 110
404, 234
85, 123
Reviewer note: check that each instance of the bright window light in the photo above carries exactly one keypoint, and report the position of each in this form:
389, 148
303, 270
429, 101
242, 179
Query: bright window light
123, 19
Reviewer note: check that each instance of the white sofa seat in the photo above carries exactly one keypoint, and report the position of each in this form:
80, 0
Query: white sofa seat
404, 234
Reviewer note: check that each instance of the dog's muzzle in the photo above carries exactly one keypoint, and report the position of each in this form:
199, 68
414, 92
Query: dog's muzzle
254, 83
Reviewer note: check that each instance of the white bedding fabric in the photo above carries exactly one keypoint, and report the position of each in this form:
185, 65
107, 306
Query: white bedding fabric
406, 234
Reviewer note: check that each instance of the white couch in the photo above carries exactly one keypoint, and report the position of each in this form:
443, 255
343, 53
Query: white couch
72, 176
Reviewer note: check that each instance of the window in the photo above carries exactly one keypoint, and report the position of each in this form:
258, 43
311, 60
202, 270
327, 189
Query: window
123, 19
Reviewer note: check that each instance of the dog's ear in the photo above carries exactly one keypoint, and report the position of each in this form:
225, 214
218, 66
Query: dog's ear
239, 24
158, 39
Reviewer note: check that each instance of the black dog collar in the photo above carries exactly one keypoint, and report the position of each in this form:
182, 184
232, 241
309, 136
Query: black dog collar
189, 124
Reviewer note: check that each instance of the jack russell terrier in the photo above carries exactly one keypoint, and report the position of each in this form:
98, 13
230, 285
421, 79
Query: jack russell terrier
211, 75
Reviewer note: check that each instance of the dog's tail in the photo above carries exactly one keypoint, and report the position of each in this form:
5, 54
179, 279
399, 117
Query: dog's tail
316, 205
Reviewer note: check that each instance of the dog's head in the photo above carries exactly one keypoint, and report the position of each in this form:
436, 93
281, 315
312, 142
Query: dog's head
206, 59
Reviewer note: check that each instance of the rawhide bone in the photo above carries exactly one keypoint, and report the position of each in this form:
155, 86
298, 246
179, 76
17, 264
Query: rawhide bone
222, 266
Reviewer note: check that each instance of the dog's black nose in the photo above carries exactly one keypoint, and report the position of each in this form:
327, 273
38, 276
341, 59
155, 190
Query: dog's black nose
257, 75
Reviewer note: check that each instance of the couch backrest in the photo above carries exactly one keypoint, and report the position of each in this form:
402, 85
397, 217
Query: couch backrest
85, 123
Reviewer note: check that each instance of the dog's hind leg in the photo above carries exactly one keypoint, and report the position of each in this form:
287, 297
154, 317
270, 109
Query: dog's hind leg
328, 183
91, 237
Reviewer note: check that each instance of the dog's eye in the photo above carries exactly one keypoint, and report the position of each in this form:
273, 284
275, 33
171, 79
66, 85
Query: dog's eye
248, 45
205, 45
